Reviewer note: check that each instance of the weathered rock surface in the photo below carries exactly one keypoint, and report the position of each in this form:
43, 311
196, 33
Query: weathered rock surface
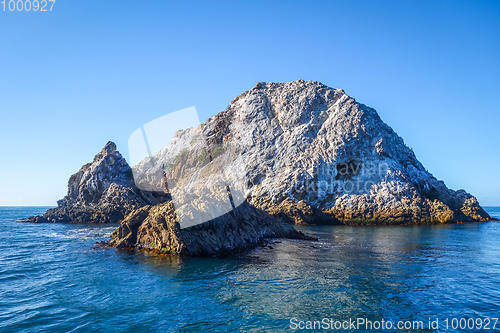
157, 228
308, 153
301, 151
100, 192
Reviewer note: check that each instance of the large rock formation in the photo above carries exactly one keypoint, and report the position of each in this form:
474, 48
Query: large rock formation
297, 152
301, 151
307, 153
100, 192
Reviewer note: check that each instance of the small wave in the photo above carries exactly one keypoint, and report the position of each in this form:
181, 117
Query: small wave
84, 233
493, 211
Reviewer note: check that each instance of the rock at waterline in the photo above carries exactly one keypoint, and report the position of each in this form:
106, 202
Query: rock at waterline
297, 152
157, 228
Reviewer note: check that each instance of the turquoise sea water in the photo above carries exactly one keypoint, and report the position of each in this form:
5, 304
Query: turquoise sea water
52, 279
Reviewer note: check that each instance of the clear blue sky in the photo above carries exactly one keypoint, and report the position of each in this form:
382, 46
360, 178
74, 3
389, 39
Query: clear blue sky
92, 71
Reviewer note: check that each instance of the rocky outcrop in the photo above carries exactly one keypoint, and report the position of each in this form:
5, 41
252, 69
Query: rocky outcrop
307, 153
100, 192
300, 151
157, 228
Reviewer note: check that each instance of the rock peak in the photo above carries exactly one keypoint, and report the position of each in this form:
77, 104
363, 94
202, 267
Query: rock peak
109, 148
101, 191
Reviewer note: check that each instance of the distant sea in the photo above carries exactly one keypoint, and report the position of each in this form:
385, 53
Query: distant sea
53, 279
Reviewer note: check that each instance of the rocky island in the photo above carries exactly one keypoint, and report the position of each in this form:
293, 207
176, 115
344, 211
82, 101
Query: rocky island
281, 153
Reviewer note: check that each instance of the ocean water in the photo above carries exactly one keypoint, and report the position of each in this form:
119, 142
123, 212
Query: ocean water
53, 279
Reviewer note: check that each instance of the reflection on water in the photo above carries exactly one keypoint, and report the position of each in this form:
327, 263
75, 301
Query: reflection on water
52, 278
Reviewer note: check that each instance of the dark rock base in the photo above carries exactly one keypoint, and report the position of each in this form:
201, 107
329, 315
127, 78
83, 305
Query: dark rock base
157, 229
